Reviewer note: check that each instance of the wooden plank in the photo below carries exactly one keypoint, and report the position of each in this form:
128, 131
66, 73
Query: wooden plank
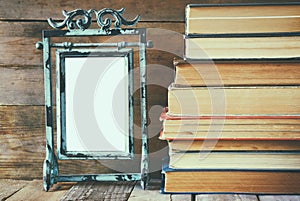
19, 51
21, 86
151, 194
34, 191
149, 10
44, 10
10, 187
22, 141
279, 198
78, 190
183, 197
18, 40
33, 29
226, 197
100, 191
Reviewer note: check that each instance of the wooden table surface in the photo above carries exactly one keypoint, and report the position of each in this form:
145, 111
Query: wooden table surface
11, 190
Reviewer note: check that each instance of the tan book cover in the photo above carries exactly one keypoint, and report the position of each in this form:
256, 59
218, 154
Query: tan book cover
234, 101
226, 181
224, 48
244, 18
234, 73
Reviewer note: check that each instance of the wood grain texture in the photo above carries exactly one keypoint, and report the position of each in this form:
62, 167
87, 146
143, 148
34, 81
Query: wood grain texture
151, 194
19, 50
21, 86
279, 198
10, 187
34, 191
227, 197
100, 191
22, 142
149, 10
34, 29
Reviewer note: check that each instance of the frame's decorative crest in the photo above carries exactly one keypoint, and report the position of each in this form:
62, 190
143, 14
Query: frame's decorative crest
82, 19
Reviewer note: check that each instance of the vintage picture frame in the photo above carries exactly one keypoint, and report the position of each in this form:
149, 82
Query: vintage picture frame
76, 25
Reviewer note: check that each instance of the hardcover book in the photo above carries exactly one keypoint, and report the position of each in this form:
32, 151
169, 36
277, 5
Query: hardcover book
242, 18
234, 73
233, 118
230, 101
242, 48
230, 181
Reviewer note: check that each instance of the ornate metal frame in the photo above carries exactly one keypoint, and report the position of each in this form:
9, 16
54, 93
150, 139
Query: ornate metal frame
76, 24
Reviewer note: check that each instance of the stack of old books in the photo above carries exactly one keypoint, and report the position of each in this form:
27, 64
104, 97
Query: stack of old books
233, 117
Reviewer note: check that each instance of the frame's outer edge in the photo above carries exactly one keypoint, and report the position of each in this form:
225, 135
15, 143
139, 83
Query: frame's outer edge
51, 174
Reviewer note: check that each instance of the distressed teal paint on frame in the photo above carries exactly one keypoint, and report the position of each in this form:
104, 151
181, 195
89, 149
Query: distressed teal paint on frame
80, 28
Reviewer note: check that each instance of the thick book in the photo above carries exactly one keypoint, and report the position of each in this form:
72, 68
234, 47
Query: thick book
242, 18
236, 160
243, 48
231, 129
233, 135
230, 181
199, 133
179, 145
234, 101
235, 73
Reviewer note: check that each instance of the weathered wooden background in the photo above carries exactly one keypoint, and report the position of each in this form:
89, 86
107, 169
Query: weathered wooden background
22, 133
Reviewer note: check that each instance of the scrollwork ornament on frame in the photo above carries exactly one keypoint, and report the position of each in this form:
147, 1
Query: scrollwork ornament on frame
82, 19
